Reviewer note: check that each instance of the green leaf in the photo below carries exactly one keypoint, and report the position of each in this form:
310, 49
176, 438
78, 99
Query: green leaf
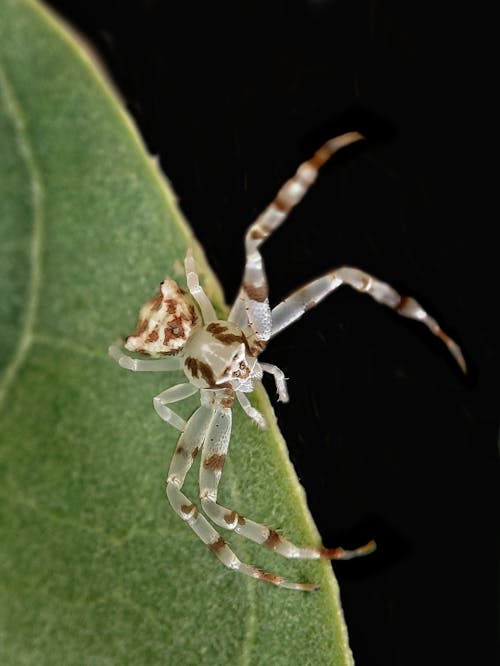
96, 568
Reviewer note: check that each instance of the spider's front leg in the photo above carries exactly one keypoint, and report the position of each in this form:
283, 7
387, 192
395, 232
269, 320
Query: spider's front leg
308, 296
251, 307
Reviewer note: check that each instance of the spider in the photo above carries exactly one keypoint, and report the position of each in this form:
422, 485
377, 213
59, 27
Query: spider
220, 361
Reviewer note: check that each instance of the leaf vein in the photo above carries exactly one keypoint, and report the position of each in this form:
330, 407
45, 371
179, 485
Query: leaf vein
25, 339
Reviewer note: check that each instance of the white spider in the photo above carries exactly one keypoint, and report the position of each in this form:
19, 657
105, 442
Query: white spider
220, 360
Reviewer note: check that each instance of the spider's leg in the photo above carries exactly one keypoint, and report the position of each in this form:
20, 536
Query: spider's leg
250, 410
212, 462
308, 296
196, 290
252, 306
139, 365
203, 425
173, 394
216, 442
279, 379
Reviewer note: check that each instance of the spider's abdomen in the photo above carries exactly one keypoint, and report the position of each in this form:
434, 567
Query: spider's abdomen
165, 322
217, 355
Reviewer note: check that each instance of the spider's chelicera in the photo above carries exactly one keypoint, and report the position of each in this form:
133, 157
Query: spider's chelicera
220, 361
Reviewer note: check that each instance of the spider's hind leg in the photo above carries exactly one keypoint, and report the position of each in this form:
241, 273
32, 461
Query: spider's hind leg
212, 463
204, 425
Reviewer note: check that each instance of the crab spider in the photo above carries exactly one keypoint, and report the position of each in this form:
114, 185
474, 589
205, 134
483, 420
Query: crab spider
220, 361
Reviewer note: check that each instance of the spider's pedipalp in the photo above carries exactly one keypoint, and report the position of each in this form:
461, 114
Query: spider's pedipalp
308, 296
251, 305
279, 379
250, 410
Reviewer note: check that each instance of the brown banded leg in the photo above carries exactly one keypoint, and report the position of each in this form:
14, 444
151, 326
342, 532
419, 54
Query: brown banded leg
251, 306
204, 425
308, 296
212, 463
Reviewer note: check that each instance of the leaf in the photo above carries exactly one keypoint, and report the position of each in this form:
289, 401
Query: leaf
96, 568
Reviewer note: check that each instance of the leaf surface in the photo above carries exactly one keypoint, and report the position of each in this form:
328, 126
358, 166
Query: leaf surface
95, 566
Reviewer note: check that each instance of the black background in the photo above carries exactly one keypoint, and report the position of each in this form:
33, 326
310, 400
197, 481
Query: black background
388, 438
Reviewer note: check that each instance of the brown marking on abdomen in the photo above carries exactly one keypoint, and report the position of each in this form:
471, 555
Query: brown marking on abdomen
153, 336
156, 302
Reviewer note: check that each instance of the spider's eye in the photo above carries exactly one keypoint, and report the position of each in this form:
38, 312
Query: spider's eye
236, 373
243, 365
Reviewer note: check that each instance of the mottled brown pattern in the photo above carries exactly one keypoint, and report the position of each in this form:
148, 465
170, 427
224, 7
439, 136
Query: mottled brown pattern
258, 294
272, 540
141, 327
156, 302
217, 545
171, 306
153, 336
195, 452
241, 520
215, 462
174, 329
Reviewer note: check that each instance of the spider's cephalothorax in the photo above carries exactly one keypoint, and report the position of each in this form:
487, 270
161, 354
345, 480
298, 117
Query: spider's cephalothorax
218, 355
219, 359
